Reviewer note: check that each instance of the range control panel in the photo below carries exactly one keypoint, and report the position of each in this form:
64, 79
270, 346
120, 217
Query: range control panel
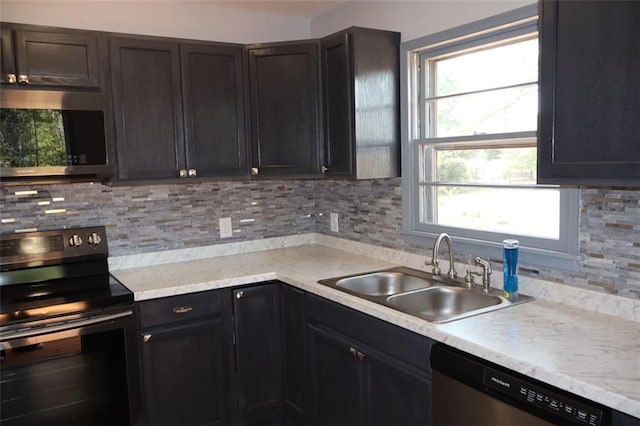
51, 247
567, 408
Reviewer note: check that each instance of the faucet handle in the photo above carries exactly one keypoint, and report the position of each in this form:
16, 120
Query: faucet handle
468, 279
486, 266
486, 274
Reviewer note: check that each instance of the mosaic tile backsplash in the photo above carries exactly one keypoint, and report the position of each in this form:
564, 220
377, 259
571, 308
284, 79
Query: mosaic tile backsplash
159, 217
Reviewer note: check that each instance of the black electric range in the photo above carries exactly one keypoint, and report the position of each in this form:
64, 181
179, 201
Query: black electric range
67, 332
48, 275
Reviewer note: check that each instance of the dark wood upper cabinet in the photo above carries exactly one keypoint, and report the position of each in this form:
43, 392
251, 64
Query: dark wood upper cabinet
146, 86
360, 67
7, 57
285, 116
589, 129
180, 109
214, 109
36, 56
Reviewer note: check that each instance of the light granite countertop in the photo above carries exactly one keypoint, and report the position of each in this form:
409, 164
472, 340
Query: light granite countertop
591, 354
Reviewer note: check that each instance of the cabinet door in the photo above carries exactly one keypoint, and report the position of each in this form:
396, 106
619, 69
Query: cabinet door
184, 374
7, 59
337, 379
148, 108
57, 58
258, 352
338, 104
589, 86
294, 354
214, 112
397, 393
285, 120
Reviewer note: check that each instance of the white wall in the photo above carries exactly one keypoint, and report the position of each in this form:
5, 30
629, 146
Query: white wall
185, 19
413, 19
201, 20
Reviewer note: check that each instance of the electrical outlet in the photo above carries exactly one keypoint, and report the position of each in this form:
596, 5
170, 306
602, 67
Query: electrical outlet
226, 229
333, 218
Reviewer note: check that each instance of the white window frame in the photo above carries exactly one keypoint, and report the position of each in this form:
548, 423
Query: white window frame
535, 253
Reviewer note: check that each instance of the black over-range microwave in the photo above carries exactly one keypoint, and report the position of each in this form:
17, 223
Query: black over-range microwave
55, 133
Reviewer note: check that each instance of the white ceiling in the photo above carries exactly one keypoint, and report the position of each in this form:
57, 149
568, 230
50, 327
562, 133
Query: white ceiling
300, 8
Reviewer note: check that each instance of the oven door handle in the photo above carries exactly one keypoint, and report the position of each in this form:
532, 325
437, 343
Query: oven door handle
65, 326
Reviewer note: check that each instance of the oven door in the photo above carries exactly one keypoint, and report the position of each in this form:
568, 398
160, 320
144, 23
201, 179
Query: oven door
80, 372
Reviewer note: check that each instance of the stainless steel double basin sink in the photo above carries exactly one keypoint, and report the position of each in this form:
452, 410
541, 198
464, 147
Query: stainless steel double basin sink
434, 298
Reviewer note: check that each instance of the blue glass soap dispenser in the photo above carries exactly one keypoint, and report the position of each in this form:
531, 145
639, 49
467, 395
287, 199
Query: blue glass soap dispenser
510, 287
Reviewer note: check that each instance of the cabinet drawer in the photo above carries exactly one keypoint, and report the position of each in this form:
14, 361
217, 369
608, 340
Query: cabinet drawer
394, 341
180, 308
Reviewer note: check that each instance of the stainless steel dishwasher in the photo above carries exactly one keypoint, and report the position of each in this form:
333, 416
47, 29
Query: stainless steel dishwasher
468, 390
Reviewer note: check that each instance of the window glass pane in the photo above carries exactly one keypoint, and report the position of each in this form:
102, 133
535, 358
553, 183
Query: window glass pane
502, 66
498, 111
498, 166
530, 212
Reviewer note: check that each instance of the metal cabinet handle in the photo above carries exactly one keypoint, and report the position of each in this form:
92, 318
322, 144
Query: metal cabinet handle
23, 79
192, 172
183, 173
146, 338
356, 353
324, 169
239, 294
254, 171
182, 309
10, 78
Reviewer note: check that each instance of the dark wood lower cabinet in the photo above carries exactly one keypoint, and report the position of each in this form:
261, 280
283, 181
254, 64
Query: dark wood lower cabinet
397, 394
294, 337
363, 386
185, 351
271, 354
184, 374
258, 353
337, 380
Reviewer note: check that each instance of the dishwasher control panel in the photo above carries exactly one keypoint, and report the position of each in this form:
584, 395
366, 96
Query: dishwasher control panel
538, 397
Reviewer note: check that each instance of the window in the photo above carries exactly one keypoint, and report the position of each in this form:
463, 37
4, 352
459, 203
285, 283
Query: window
469, 144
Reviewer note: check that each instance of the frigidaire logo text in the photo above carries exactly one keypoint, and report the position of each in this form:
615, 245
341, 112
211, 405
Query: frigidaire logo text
500, 382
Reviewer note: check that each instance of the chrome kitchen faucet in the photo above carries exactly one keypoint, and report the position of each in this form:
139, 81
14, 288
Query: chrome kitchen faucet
434, 259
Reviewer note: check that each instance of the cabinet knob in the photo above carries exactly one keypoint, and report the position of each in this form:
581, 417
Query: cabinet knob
360, 356
192, 172
239, 294
146, 338
10, 78
254, 171
183, 173
353, 351
23, 79
324, 169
